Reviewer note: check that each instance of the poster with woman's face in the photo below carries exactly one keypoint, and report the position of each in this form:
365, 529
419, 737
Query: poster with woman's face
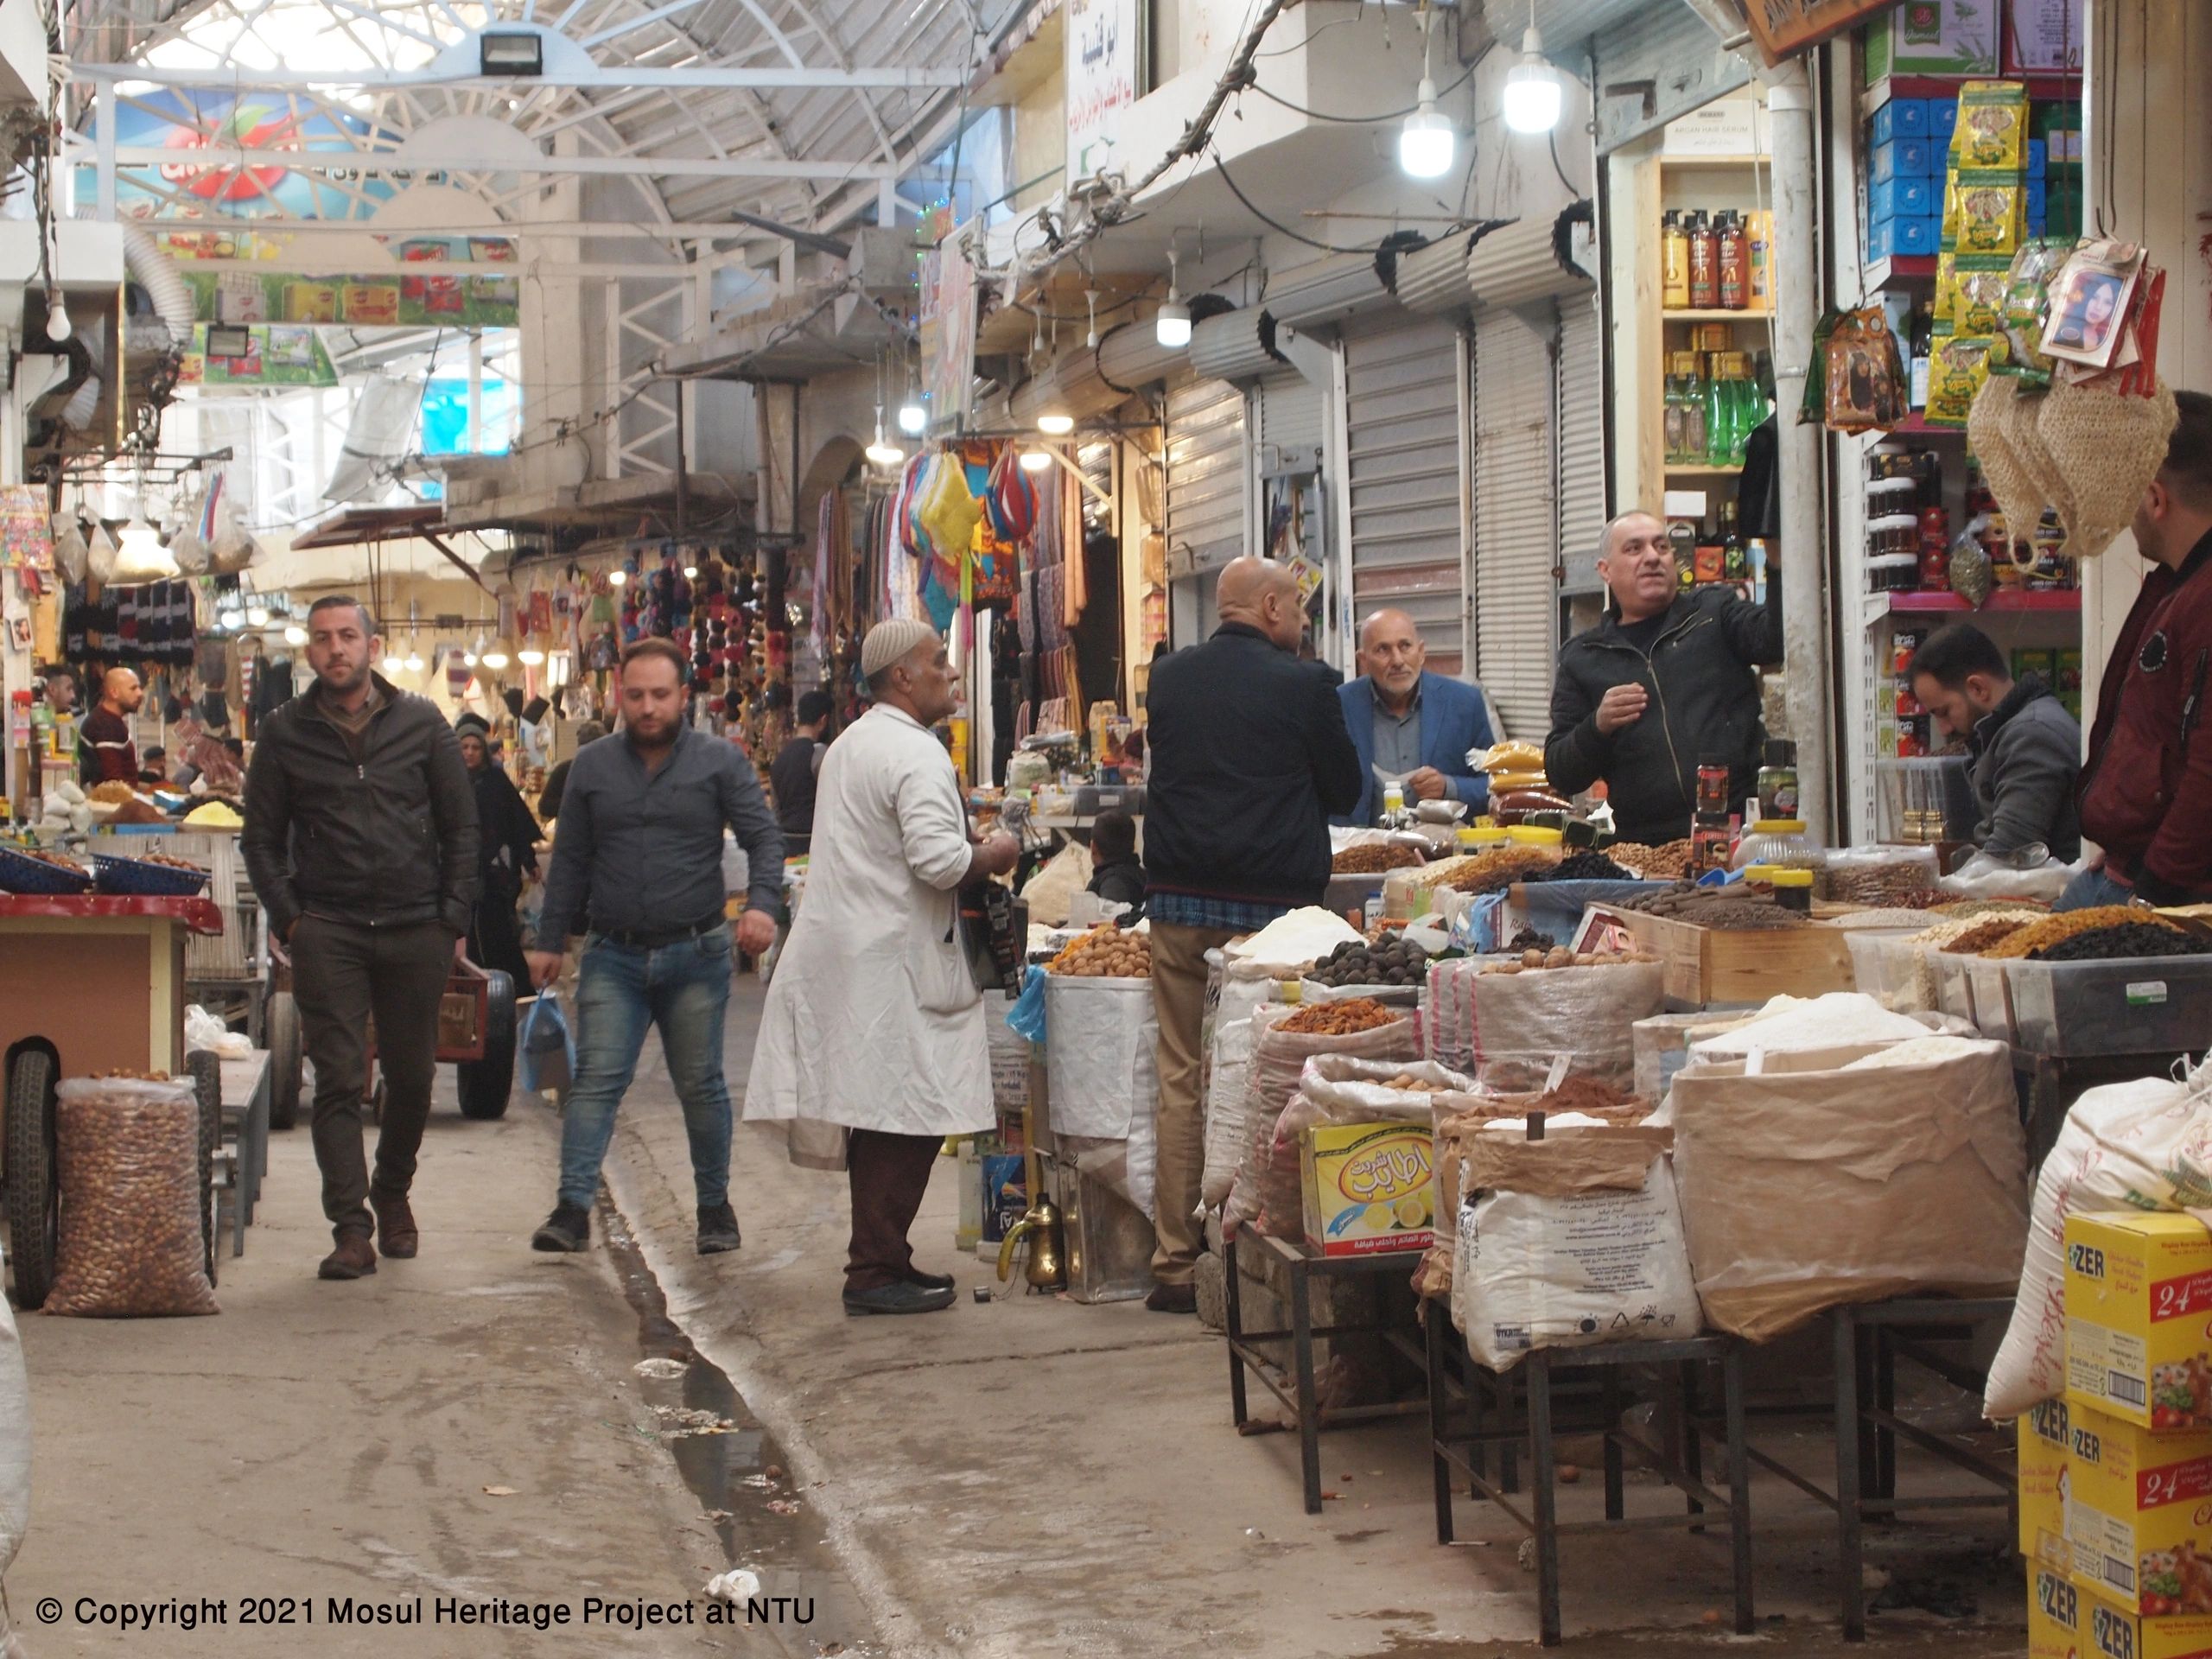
2089, 304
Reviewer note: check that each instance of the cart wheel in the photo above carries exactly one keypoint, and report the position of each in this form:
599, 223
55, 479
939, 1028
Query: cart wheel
484, 1085
282, 1020
33, 1189
206, 1070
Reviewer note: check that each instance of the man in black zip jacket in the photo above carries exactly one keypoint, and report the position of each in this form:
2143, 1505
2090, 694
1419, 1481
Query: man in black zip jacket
360, 836
1666, 679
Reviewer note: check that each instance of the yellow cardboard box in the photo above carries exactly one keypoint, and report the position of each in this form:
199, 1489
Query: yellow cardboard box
2139, 1318
2043, 1448
2067, 1622
1368, 1187
2138, 1504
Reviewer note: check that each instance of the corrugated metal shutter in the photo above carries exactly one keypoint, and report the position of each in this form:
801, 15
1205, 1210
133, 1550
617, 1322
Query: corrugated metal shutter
1581, 439
1403, 418
1516, 516
1205, 477
1292, 414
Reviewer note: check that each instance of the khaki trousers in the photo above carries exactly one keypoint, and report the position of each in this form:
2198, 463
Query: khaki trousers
1178, 1002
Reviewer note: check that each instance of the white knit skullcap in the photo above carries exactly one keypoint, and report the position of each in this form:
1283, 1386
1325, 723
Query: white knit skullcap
888, 642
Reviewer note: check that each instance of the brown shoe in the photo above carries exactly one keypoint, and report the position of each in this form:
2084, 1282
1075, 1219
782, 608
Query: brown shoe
396, 1235
1174, 1299
352, 1259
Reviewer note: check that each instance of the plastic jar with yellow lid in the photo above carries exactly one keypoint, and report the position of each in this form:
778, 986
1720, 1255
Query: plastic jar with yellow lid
1529, 834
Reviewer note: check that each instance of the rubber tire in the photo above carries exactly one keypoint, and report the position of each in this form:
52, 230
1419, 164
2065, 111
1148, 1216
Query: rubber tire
33, 1180
282, 1023
207, 1073
484, 1085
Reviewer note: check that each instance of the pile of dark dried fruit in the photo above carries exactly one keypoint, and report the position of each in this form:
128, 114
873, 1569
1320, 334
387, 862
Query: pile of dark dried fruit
1388, 962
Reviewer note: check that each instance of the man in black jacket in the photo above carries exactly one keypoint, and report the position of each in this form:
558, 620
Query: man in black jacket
1666, 680
360, 836
1249, 758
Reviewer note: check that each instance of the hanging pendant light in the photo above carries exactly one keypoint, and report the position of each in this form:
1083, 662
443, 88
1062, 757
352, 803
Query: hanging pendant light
1055, 425
1170, 326
1532, 93
1036, 460
1428, 140
883, 451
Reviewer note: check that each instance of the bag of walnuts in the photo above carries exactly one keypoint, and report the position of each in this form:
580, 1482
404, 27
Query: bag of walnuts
131, 1244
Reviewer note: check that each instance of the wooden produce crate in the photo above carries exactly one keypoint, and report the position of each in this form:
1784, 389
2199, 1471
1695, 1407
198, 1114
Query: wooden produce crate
1703, 966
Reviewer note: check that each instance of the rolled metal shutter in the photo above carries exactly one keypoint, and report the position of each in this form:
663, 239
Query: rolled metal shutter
1403, 417
1515, 516
1292, 414
1205, 477
1581, 439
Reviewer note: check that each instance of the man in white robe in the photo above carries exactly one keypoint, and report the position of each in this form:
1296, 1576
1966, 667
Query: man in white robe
873, 1024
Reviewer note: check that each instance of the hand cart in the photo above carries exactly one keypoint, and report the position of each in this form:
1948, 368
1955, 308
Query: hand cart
476, 1035
92, 984
233, 975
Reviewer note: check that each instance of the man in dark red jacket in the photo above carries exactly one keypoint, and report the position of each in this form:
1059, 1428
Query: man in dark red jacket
2146, 794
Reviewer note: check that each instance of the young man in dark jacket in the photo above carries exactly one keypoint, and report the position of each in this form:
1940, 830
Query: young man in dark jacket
1249, 759
1666, 680
2027, 749
360, 837
2146, 795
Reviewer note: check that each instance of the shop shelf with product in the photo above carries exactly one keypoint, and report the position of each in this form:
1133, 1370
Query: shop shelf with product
2005, 599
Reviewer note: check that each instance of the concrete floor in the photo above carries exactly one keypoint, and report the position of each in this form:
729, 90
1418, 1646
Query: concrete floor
317, 1440
1027, 1477
1035, 1478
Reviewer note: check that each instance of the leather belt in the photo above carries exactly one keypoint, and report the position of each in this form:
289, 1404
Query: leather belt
652, 938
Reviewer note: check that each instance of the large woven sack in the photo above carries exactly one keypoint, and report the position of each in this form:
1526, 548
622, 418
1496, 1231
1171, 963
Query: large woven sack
1099, 1060
1336, 1089
1570, 1241
2106, 448
2125, 1145
1279, 1059
1809, 1186
131, 1243
1524, 1020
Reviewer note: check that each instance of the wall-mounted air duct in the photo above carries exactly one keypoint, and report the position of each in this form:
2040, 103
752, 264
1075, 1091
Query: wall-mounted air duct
156, 273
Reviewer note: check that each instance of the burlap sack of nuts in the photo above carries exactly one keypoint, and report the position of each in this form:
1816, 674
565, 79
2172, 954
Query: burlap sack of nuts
130, 1245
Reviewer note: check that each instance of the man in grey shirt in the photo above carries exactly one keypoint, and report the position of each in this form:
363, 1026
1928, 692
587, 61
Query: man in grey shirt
638, 860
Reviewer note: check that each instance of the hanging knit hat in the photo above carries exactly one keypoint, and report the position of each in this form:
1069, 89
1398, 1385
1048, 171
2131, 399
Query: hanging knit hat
888, 642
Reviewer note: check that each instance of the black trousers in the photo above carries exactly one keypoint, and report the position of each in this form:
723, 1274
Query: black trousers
341, 975
889, 1173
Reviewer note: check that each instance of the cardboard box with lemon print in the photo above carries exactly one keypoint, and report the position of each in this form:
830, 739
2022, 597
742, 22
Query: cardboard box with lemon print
1368, 1187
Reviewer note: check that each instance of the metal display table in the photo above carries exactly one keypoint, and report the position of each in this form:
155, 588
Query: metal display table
1294, 1387
1870, 1338
1679, 1460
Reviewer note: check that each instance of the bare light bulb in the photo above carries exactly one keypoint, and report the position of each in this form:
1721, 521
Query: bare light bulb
1426, 141
617, 576
913, 419
1532, 94
58, 325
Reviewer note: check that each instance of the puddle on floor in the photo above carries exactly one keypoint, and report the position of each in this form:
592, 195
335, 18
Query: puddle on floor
741, 1477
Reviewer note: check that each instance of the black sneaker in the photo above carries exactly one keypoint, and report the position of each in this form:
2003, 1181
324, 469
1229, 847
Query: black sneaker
718, 1230
569, 1228
900, 1297
931, 1281
1174, 1299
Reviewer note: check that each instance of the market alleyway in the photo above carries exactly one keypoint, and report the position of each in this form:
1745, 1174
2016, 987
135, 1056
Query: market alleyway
1028, 1477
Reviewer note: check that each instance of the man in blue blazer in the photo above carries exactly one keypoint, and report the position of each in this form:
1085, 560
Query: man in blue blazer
1410, 725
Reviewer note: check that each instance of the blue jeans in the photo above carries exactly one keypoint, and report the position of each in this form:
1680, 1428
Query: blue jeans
684, 988
2094, 887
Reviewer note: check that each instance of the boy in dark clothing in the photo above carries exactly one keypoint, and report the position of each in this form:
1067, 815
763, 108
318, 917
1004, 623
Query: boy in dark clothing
1116, 873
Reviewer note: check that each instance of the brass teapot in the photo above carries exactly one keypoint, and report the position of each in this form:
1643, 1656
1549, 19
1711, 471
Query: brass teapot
1047, 1249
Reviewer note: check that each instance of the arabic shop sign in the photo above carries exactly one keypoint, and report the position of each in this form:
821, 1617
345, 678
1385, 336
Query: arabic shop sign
1103, 48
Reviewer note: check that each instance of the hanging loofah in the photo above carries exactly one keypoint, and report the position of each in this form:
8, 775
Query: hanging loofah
2023, 424
1990, 425
2106, 449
